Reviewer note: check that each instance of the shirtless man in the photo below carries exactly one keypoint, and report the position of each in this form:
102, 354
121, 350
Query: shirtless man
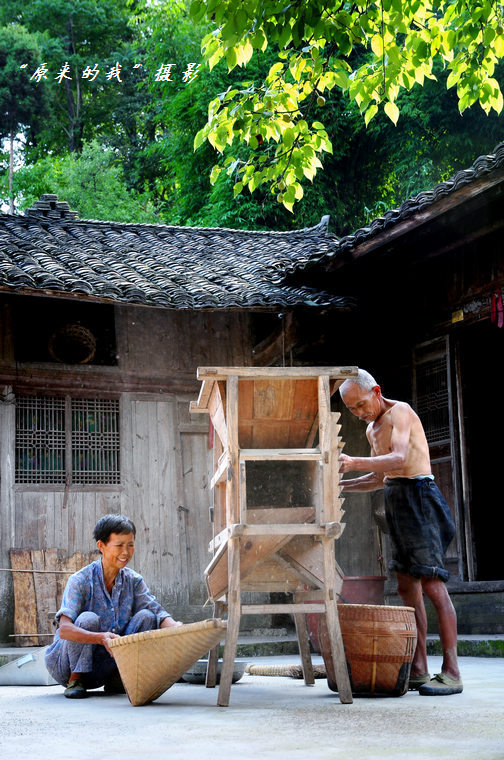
419, 520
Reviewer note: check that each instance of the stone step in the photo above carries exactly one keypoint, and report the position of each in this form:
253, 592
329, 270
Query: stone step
285, 643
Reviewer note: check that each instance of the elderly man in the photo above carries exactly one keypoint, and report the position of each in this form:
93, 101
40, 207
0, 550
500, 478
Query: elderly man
419, 520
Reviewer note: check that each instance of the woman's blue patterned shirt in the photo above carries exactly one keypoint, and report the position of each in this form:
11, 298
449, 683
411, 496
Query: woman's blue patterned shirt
86, 592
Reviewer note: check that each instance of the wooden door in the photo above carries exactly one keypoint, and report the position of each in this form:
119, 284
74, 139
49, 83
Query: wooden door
434, 398
167, 496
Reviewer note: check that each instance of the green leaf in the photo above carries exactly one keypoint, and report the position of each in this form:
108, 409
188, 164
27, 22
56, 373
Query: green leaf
392, 111
231, 58
377, 45
488, 36
453, 78
370, 113
214, 174
199, 138
288, 137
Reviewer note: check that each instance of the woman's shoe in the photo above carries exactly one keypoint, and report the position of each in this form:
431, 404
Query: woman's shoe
75, 689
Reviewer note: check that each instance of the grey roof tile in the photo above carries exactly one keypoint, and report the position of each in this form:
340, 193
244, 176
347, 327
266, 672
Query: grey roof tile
158, 265
482, 165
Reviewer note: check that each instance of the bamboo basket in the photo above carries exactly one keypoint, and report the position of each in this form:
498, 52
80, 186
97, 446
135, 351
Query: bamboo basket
72, 344
379, 643
150, 662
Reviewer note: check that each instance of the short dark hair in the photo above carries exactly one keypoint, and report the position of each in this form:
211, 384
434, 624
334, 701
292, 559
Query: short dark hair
112, 524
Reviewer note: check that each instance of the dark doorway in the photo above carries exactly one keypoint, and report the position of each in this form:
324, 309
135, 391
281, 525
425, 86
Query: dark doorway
481, 352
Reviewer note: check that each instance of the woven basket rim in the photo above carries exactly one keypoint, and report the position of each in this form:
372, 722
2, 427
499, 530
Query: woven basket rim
395, 607
160, 633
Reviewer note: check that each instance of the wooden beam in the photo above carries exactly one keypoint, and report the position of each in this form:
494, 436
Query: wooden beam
216, 404
304, 648
221, 469
334, 529
282, 373
233, 623
332, 585
280, 609
204, 394
304, 575
218, 540
257, 455
285, 529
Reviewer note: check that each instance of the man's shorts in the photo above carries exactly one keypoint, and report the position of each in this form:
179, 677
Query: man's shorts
421, 527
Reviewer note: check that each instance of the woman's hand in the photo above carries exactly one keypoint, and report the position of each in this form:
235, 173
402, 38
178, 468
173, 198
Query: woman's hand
169, 622
105, 637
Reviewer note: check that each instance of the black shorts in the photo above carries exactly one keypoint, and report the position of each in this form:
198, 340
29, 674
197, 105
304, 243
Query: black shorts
421, 527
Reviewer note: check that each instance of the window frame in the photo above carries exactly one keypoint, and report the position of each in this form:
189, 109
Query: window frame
88, 480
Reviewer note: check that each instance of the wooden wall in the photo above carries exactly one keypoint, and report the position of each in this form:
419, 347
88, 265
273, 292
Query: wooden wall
165, 457
166, 465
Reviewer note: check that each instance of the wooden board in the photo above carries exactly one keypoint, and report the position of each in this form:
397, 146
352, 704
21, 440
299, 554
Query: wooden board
254, 549
306, 555
270, 576
276, 412
25, 603
37, 595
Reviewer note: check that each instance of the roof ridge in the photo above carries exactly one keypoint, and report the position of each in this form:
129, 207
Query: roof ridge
483, 164
43, 210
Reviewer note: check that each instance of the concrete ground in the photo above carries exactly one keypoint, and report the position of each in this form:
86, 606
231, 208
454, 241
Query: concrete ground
268, 717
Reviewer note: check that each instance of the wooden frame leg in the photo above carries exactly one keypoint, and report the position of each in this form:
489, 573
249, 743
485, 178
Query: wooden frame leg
304, 648
213, 655
233, 624
333, 625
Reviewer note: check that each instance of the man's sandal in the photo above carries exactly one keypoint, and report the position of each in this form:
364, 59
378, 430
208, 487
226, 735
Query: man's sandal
442, 684
415, 682
75, 689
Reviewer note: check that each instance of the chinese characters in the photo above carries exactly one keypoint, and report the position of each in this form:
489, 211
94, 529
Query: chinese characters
167, 72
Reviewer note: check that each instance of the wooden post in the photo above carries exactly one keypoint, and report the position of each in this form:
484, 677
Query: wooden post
333, 625
213, 655
233, 626
243, 492
325, 443
232, 485
336, 446
304, 648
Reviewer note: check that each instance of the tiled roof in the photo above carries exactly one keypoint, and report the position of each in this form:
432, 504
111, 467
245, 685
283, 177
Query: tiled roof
482, 166
51, 250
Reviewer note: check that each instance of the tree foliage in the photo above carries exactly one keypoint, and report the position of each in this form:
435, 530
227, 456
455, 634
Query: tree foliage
20, 107
370, 51
139, 134
93, 183
76, 33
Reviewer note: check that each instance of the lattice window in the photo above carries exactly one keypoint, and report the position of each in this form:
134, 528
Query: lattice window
67, 440
432, 402
40, 440
95, 441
